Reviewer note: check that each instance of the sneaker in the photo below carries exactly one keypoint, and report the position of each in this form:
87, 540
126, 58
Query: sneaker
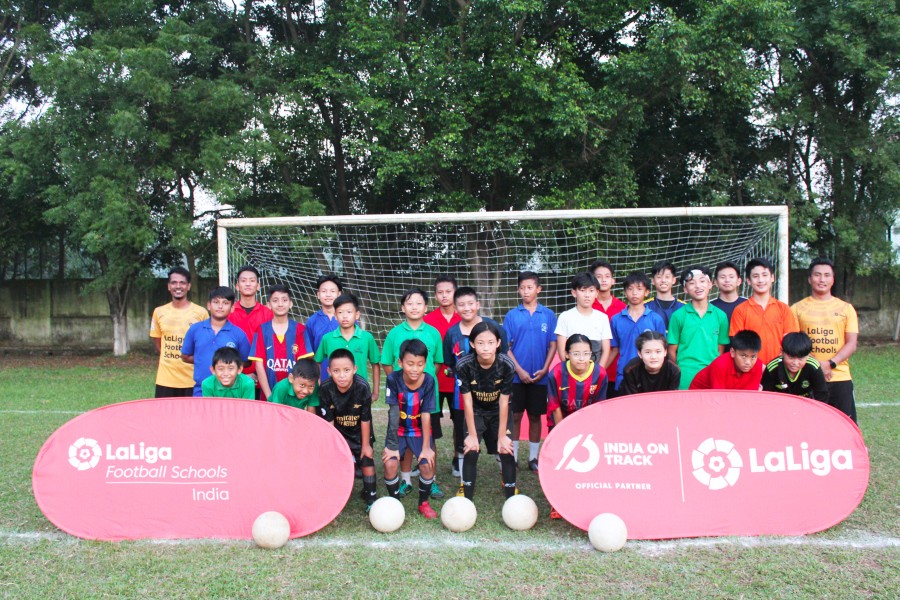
436, 490
461, 492
405, 489
426, 511
368, 508
554, 514
532, 465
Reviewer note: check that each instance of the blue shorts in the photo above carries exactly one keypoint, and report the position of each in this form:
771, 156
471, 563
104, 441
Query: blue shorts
413, 444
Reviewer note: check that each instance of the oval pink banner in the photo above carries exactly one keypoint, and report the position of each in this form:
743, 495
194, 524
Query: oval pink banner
706, 463
191, 468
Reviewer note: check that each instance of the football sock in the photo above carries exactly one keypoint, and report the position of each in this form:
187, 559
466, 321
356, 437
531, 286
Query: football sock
407, 477
459, 466
393, 487
469, 473
508, 471
424, 489
369, 488
516, 450
533, 448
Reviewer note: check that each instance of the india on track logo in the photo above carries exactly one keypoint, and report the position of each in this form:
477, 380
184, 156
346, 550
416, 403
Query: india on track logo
84, 454
709, 463
574, 464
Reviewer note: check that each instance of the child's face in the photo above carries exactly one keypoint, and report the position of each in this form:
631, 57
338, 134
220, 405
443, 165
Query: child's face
347, 315
226, 373
178, 286
636, 293
744, 359
698, 286
247, 284
653, 355
793, 364
664, 281
584, 297
604, 278
486, 344
280, 303
761, 280
326, 294
443, 294
413, 368
342, 371
727, 280
467, 307
414, 307
579, 356
302, 387
219, 308
528, 291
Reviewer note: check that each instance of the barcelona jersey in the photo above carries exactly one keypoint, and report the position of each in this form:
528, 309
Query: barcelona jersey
570, 392
412, 403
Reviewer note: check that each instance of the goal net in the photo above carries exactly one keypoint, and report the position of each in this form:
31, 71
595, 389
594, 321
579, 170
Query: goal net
379, 257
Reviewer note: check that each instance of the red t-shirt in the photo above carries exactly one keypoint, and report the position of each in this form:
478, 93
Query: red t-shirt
615, 307
721, 375
249, 323
437, 320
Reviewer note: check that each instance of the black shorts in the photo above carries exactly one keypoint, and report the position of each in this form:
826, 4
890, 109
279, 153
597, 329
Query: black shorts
487, 428
840, 396
437, 431
529, 397
170, 392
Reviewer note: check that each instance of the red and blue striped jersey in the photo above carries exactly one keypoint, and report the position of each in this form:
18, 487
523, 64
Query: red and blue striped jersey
413, 403
568, 392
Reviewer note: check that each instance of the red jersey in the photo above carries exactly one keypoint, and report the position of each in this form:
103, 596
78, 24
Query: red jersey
437, 320
615, 307
721, 375
249, 323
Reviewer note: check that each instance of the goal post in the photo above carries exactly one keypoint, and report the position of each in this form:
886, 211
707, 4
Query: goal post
378, 257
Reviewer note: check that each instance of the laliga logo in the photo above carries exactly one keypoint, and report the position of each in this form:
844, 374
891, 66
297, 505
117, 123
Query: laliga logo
576, 465
721, 478
84, 454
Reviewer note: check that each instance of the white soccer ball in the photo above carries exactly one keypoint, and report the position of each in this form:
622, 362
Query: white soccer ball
520, 512
607, 532
387, 514
459, 514
271, 530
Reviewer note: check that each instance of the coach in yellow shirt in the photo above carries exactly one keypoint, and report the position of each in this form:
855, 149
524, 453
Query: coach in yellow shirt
833, 327
169, 323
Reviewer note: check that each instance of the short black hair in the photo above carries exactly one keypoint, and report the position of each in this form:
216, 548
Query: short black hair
688, 273
758, 262
445, 279
412, 292
464, 291
822, 260
577, 338
650, 336
727, 264
341, 353
346, 299
415, 347
601, 263
227, 355
584, 280
636, 277
278, 288
796, 344
746, 339
226, 293
332, 278
179, 271
664, 265
481, 328
306, 368
247, 269
526, 275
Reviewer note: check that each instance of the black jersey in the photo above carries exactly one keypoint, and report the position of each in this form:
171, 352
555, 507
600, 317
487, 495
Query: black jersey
485, 385
348, 409
809, 382
636, 379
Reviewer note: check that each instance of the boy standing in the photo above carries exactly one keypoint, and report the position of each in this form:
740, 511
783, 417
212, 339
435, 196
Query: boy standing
346, 400
532, 345
664, 303
411, 396
328, 287
168, 325
698, 332
738, 369
351, 336
205, 337
226, 380
248, 314
278, 343
301, 388
585, 320
795, 371
728, 282
769, 317
609, 305
631, 322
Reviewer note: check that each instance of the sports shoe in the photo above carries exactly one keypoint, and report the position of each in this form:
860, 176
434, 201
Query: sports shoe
532, 465
405, 488
426, 511
436, 491
368, 508
554, 514
461, 492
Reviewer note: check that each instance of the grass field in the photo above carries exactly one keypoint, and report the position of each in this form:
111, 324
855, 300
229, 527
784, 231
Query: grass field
857, 559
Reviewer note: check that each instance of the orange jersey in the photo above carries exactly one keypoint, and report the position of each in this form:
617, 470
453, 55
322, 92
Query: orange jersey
771, 324
827, 322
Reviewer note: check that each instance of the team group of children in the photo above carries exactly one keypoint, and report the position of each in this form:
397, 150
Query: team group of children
490, 375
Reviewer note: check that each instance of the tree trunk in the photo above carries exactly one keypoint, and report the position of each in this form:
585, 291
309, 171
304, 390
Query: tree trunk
118, 311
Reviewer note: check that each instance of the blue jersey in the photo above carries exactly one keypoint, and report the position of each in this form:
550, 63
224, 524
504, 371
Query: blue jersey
626, 330
656, 306
201, 342
530, 336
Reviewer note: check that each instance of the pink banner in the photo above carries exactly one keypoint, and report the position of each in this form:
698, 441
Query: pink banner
191, 468
706, 463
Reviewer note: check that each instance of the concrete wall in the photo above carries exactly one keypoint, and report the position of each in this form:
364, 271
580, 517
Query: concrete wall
58, 316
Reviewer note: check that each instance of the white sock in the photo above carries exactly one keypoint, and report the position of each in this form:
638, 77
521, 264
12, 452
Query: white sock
407, 477
516, 450
459, 462
533, 448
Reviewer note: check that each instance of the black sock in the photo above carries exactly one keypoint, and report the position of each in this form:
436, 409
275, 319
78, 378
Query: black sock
469, 473
393, 487
508, 471
369, 492
424, 489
